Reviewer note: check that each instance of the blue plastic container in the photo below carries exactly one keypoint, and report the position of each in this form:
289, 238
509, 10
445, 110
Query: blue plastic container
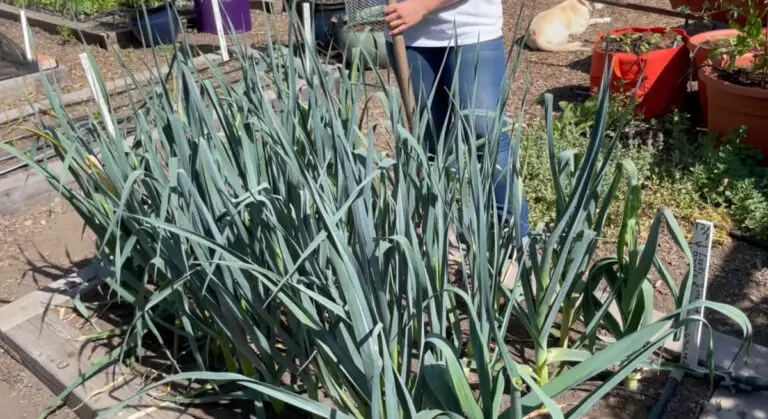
328, 23
160, 25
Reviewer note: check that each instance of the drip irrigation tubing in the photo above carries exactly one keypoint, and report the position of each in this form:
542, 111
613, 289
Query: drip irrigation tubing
81, 121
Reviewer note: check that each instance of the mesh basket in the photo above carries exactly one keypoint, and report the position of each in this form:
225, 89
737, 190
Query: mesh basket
365, 14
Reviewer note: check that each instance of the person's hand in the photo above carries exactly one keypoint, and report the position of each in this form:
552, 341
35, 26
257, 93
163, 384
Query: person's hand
401, 16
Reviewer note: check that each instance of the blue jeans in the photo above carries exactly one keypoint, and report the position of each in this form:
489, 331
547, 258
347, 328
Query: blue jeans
426, 64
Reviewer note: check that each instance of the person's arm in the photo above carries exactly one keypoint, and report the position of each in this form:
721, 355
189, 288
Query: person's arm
401, 16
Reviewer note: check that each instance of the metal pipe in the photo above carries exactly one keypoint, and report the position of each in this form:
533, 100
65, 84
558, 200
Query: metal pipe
656, 10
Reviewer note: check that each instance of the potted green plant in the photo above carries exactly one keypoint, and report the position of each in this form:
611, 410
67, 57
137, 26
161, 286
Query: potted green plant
737, 88
720, 10
650, 64
154, 22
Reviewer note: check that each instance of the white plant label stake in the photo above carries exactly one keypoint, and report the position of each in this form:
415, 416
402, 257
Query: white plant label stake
220, 30
308, 35
97, 93
702, 246
25, 34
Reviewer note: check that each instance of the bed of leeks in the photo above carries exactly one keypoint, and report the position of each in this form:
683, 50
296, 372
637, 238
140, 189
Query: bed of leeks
279, 239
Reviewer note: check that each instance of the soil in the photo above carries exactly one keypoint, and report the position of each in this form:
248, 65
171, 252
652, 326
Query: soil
716, 43
743, 77
639, 43
135, 59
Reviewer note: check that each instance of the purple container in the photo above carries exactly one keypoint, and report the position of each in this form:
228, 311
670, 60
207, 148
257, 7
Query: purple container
236, 11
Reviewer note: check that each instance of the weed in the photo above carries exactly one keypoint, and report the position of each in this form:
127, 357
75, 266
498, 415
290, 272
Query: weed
66, 33
677, 168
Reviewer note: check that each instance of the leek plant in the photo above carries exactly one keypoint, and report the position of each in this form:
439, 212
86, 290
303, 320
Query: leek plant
293, 263
626, 275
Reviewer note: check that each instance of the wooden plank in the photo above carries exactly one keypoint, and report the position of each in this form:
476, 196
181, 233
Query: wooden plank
274, 7
51, 24
50, 349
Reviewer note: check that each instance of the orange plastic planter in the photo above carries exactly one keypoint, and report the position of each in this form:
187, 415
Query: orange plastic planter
721, 7
701, 52
663, 73
732, 106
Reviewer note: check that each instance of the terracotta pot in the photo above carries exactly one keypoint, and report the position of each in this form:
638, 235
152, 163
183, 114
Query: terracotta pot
721, 6
661, 73
701, 51
732, 106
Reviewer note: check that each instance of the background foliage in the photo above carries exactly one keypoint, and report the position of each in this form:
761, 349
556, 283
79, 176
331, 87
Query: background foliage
678, 168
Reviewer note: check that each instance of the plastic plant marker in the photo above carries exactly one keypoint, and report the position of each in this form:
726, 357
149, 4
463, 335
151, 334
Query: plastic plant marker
97, 93
702, 246
220, 30
25, 34
306, 17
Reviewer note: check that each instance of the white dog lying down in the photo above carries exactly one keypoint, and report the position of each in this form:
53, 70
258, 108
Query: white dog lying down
550, 29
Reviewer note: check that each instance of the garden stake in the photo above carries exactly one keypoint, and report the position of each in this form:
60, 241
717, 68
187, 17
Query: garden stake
97, 93
25, 34
403, 72
702, 246
220, 30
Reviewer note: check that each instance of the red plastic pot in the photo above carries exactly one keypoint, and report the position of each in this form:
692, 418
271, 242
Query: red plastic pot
701, 51
721, 7
663, 74
732, 106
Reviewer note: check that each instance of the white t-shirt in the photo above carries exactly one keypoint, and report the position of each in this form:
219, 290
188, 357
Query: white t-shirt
466, 22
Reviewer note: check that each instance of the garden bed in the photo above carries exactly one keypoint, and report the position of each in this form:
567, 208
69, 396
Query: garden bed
232, 292
65, 356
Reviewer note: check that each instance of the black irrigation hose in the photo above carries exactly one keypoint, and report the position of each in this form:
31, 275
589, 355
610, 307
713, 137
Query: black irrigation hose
735, 383
749, 239
667, 394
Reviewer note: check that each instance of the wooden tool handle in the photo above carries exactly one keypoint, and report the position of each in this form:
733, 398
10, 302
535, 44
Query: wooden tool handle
403, 72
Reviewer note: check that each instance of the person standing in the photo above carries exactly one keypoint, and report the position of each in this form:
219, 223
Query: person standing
459, 40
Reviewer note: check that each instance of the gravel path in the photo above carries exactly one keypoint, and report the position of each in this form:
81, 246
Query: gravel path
566, 74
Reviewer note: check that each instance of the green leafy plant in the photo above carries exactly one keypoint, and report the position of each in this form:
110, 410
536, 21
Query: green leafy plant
83, 9
67, 35
638, 42
292, 263
624, 278
751, 41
